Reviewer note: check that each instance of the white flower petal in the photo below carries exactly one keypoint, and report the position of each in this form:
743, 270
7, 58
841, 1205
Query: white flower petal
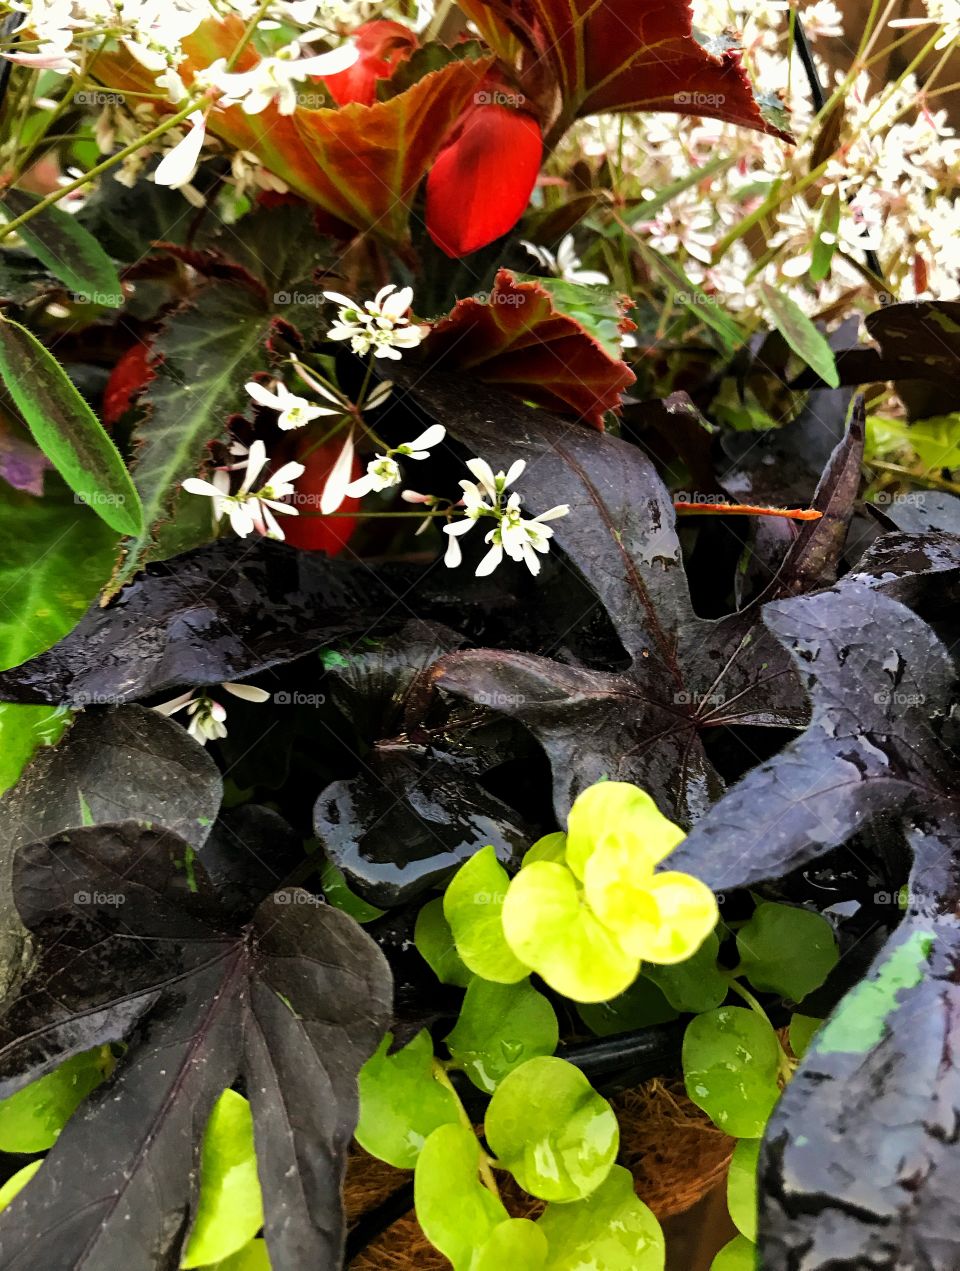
195, 485
335, 489
427, 440
175, 703
514, 471
453, 556
249, 692
262, 396
179, 164
490, 561
256, 461
484, 474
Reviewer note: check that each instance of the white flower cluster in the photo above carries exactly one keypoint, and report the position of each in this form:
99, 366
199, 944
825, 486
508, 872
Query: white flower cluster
513, 534
208, 716
896, 171
379, 326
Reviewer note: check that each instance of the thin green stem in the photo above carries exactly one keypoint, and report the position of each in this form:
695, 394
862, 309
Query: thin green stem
784, 1064
486, 1172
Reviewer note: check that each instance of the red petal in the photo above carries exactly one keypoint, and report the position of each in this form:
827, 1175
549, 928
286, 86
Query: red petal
481, 183
310, 531
131, 373
382, 47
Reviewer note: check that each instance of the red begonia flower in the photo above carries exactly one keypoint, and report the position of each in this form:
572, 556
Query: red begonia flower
310, 531
481, 182
131, 373
382, 46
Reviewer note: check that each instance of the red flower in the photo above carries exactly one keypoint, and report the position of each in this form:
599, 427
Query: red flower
382, 47
481, 182
309, 531
131, 374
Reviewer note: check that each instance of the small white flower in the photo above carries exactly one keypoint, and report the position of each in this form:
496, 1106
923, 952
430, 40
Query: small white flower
274, 78
380, 325
566, 264
178, 165
250, 510
207, 722
382, 473
421, 446
294, 412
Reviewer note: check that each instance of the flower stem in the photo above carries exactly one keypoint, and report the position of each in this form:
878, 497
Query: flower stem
486, 1172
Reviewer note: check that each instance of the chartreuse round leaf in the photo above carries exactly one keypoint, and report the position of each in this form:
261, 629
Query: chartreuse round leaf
17, 1182
456, 1212
730, 1062
401, 1102
67, 430
786, 950
552, 847
339, 894
615, 812
500, 1027
552, 1131
252, 1257
434, 939
640, 1006
662, 918
696, 984
611, 1230
742, 1187
554, 933
517, 1244
802, 1029
739, 1255
32, 1118
473, 905
230, 1210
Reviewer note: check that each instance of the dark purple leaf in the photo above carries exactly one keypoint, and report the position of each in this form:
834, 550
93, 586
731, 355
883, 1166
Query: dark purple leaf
22, 464
132, 945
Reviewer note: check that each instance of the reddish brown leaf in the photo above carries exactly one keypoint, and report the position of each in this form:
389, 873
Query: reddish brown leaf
627, 55
360, 164
516, 338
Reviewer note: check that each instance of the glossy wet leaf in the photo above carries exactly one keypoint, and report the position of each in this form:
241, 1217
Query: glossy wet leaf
401, 1102
730, 1061
456, 1212
69, 251
501, 1026
67, 430
802, 1030
742, 1187
260, 604
22, 730
338, 893
551, 931
552, 1131
252, 1257
32, 1118
686, 677
230, 1211
697, 984
611, 1228
473, 906
290, 1003
55, 555
434, 938
786, 950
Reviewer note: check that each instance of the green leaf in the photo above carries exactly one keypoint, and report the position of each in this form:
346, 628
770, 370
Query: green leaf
641, 1005
252, 1257
207, 352
695, 985
739, 1255
401, 1102
67, 430
611, 1230
548, 926
23, 729
825, 242
457, 1214
802, 1030
517, 1243
786, 950
473, 905
434, 939
598, 309
31, 1119
17, 1182
697, 302
500, 1027
55, 555
742, 1187
730, 1063
801, 334
230, 1209
552, 1131
340, 895
70, 252
552, 847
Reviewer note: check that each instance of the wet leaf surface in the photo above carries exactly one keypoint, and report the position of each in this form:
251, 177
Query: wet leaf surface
134, 947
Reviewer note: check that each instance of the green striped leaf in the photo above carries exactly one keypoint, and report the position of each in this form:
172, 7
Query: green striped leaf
70, 252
